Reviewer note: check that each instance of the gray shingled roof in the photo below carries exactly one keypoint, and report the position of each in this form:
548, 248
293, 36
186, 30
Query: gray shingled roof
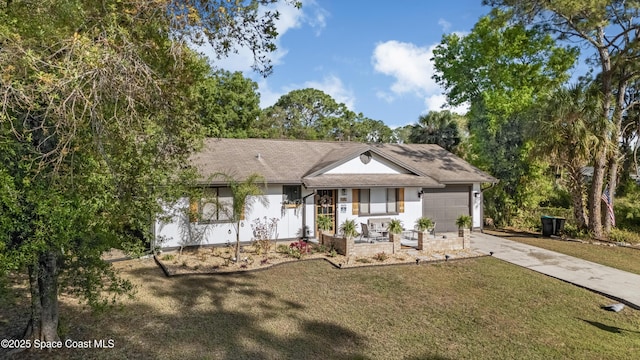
299, 161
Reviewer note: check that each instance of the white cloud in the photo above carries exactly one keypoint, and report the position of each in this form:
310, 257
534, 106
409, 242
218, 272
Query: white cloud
290, 18
316, 16
268, 97
412, 69
445, 25
333, 86
386, 96
409, 64
438, 103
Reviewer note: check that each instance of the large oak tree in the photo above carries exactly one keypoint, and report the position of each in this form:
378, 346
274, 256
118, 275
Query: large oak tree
96, 122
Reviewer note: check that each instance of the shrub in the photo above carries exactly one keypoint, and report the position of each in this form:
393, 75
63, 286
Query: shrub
619, 235
168, 257
463, 222
395, 226
572, 231
324, 222
319, 248
133, 249
299, 248
381, 256
424, 223
363, 260
283, 249
627, 212
262, 246
348, 229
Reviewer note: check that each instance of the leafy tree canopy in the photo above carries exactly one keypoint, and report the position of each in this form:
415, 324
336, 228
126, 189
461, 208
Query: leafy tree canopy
229, 104
314, 115
504, 65
608, 30
97, 119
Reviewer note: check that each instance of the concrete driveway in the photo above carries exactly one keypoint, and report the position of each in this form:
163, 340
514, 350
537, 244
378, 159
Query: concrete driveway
616, 284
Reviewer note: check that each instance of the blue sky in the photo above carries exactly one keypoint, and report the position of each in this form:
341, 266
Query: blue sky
371, 55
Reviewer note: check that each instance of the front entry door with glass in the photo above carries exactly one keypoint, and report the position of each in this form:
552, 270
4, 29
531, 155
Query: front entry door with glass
326, 205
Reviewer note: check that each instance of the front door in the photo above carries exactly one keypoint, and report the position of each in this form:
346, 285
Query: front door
326, 205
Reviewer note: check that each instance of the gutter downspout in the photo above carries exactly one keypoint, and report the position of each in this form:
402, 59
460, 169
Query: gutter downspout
304, 216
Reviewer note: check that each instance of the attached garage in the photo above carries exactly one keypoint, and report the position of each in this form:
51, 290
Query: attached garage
445, 205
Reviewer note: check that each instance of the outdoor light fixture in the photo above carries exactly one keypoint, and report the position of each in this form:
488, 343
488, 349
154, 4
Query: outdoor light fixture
417, 261
476, 194
229, 231
491, 253
446, 257
420, 194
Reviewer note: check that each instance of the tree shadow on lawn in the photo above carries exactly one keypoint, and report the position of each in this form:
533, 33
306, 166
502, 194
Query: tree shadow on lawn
213, 317
611, 329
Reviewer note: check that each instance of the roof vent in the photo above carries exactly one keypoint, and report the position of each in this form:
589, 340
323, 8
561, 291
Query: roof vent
259, 156
365, 157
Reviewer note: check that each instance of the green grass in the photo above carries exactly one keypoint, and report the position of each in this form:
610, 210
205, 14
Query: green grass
470, 309
618, 257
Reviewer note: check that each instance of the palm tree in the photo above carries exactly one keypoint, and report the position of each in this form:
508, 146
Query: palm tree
566, 132
437, 127
245, 195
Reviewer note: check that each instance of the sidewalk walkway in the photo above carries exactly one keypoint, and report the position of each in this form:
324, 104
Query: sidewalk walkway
616, 284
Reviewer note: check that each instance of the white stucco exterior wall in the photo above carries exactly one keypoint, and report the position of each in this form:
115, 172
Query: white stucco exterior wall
376, 165
176, 231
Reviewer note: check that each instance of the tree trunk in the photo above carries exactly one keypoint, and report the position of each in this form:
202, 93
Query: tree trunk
238, 242
595, 213
48, 284
33, 327
614, 157
600, 159
43, 280
613, 180
577, 190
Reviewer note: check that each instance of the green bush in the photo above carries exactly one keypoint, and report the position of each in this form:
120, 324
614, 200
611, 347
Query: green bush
627, 211
620, 235
572, 231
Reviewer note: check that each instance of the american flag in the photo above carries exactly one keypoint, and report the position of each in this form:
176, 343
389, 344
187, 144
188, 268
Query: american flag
606, 197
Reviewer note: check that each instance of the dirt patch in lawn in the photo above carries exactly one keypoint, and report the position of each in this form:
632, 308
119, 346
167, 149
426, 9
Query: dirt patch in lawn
212, 260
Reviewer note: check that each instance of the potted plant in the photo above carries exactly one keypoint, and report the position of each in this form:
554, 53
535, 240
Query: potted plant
395, 229
348, 229
424, 223
464, 225
325, 224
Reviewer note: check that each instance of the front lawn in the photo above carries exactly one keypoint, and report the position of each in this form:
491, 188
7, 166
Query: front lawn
479, 308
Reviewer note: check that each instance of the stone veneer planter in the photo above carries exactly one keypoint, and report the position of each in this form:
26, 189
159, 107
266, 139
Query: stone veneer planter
348, 247
440, 244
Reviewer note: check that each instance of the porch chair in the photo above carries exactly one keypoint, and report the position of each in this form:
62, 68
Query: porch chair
370, 235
